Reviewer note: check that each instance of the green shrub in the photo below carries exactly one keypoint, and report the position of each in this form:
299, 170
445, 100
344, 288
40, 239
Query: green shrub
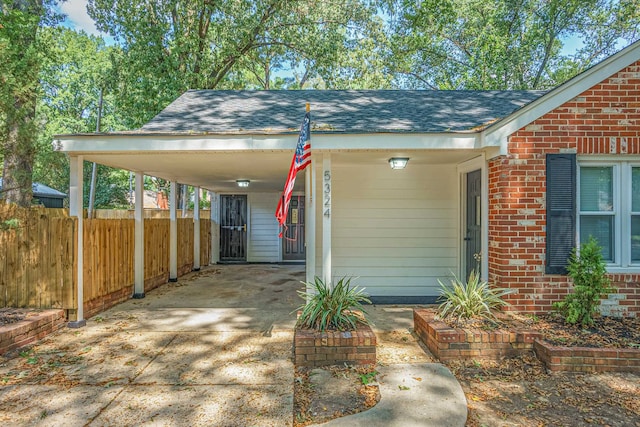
590, 282
336, 307
475, 298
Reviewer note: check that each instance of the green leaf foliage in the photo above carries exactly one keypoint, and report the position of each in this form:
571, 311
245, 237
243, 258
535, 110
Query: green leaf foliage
72, 77
170, 46
470, 299
588, 271
337, 307
22, 52
505, 44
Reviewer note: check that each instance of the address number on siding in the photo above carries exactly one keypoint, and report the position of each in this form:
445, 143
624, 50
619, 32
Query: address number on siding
327, 194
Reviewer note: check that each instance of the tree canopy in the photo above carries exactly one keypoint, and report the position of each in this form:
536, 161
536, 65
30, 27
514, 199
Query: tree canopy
170, 46
51, 77
505, 44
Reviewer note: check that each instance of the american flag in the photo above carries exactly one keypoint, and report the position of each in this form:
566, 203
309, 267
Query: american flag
301, 159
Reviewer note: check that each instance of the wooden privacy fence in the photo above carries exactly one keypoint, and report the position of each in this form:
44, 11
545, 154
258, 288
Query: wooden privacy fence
37, 258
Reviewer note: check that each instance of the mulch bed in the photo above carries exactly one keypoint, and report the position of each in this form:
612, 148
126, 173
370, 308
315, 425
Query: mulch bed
606, 332
311, 406
13, 315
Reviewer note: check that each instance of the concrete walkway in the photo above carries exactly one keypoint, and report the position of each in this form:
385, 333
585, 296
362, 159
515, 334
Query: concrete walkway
415, 391
413, 395
213, 349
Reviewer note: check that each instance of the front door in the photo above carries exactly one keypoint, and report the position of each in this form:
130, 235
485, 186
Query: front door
473, 221
233, 228
293, 236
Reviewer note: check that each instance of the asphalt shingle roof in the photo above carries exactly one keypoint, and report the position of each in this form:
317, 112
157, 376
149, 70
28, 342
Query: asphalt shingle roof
350, 111
43, 190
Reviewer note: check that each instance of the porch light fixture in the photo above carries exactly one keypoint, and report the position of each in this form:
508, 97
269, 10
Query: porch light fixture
244, 183
398, 162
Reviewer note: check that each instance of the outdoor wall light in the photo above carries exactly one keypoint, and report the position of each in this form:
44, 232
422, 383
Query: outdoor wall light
244, 183
398, 162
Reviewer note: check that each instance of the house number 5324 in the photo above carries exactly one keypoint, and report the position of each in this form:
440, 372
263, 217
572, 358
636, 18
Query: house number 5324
327, 194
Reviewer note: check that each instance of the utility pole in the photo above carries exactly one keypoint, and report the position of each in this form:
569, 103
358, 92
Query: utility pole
94, 170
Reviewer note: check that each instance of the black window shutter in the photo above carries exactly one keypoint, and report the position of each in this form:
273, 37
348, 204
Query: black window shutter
561, 211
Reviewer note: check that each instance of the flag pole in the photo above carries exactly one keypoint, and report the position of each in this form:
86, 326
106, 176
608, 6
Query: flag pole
311, 162
310, 221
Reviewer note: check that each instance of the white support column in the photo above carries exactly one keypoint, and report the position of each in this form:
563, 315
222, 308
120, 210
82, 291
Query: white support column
173, 233
326, 218
196, 229
76, 208
310, 223
215, 228
138, 260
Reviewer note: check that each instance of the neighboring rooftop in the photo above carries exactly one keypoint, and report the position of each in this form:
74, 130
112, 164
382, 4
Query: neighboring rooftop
349, 111
43, 190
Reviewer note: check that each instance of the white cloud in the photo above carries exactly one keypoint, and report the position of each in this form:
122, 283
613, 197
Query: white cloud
76, 11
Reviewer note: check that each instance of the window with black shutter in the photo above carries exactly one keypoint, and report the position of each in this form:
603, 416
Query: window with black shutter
561, 211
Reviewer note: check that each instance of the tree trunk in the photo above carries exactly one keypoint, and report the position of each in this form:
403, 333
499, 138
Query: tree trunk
20, 110
17, 174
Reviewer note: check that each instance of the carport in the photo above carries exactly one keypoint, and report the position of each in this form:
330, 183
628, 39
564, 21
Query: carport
399, 229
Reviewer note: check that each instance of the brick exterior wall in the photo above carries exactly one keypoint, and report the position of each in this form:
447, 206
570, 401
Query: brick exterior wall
33, 328
603, 120
313, 348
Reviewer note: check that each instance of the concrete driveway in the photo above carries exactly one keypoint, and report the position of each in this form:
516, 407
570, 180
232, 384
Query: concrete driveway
212, 349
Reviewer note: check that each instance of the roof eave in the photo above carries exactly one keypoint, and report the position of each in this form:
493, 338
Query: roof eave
127, 143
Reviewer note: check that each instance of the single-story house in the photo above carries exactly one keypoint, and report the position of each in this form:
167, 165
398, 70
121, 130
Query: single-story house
509, 181
45, 195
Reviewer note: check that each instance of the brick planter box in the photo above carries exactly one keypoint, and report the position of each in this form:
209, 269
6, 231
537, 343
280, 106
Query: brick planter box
313, 348
30, 330
586, 359
448, 343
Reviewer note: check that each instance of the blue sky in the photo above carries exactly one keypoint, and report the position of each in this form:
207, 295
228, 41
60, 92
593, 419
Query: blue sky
76, 16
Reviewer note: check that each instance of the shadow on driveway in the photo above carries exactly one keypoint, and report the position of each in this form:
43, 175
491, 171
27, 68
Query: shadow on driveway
211, 349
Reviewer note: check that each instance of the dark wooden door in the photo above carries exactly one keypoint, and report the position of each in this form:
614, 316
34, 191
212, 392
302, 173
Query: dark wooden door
473, 222
233, 228
293, 248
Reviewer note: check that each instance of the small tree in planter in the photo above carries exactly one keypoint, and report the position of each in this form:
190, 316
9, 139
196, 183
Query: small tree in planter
588, 271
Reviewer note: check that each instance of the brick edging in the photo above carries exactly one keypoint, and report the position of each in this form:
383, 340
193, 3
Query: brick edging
314, 348
587, 359
29, 330
448, 343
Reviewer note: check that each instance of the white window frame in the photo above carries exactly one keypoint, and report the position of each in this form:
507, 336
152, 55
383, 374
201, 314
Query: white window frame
622, 203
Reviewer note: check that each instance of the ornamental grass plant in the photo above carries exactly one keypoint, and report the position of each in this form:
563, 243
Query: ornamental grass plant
474, 298
338, 307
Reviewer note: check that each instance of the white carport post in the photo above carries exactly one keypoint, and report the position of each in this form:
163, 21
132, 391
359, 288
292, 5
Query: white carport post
326, 218
173, 233
76, 208
138, 260
215, 227
310, 221
196, 229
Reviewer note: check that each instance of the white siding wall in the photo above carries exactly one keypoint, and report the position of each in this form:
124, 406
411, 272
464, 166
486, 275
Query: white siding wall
263, 242
396, 230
